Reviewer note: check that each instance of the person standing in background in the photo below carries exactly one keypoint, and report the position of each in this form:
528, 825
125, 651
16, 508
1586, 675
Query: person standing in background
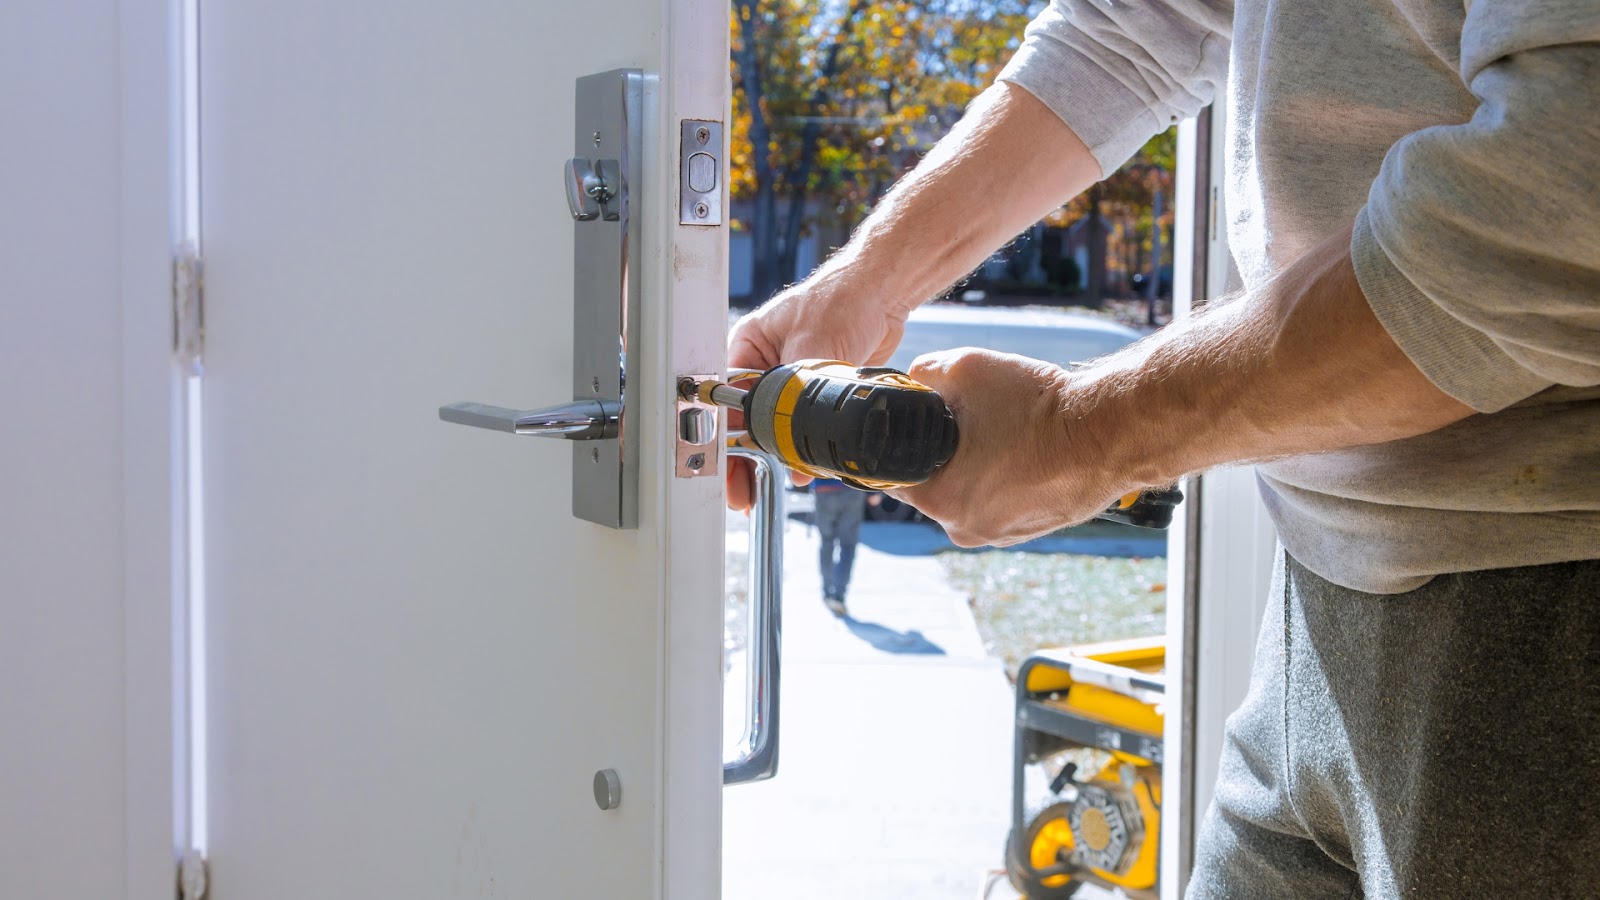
839, 512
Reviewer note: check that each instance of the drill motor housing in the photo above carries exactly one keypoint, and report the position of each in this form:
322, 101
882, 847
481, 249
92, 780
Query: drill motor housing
872, 428
877, 429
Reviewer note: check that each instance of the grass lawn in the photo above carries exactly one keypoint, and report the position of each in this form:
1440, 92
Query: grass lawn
1026, 601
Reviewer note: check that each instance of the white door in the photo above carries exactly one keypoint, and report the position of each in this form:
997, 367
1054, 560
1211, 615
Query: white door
418, 659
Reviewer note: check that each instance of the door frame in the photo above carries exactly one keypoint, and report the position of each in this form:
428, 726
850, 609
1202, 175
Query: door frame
1220, 549
693, 266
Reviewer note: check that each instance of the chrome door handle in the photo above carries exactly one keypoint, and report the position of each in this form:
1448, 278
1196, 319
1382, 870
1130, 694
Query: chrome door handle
580, 420
608, 261
758, 759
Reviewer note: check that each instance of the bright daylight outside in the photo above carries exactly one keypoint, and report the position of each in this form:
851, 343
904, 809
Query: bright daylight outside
901, 651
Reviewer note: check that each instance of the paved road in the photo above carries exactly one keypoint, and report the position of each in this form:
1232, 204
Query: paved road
894, 779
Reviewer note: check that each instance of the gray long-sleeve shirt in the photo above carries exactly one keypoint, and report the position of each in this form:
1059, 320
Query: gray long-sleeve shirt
1463, 138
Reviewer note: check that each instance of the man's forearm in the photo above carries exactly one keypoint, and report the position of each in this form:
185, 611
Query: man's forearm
1301, 366
1009, 162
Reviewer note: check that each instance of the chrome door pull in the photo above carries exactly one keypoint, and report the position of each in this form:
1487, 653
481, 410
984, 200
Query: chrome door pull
758, 757
580, 420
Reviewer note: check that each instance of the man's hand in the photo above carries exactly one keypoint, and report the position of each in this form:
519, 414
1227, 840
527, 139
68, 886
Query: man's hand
1022, 468
824, 318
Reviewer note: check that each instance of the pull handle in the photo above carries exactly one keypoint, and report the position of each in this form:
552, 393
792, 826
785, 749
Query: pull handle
580, 420
758, 758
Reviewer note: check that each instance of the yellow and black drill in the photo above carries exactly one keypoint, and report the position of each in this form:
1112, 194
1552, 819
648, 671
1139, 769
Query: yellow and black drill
871, 428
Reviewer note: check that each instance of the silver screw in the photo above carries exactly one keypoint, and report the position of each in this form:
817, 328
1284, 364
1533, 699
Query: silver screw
696, 462
595, 454
702, 134
597, 384
597, 138
701, 210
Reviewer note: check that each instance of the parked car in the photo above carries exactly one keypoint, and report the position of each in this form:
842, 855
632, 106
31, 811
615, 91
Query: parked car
1057, 337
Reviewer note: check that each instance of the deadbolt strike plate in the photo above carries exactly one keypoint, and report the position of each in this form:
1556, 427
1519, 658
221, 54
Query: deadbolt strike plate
698, 425
701, 172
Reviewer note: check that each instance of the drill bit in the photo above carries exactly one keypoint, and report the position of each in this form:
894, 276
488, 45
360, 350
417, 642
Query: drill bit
716, 393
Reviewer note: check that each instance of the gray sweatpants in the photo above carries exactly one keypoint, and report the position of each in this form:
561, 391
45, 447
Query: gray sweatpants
1439, 743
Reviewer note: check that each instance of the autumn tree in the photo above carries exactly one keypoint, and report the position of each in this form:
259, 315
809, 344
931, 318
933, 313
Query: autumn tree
833, 101
1135, 193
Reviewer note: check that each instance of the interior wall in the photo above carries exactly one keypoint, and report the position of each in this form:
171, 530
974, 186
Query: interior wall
62, 742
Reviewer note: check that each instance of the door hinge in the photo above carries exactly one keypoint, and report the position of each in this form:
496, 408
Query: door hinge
188, 309
194, 875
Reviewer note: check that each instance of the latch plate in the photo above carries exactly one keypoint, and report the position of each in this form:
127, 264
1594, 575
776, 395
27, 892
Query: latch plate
698, 425
701, 172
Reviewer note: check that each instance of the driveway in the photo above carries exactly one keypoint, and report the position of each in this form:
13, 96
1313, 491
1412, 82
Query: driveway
895, 767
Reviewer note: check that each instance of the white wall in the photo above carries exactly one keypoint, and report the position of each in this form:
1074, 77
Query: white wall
74, 766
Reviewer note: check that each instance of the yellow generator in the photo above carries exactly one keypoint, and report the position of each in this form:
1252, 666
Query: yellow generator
1086, 772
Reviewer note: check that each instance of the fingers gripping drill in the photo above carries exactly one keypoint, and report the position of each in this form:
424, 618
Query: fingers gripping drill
871, 428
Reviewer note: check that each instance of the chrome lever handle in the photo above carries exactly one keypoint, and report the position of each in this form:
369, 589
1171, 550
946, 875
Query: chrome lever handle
580, 420
759, 757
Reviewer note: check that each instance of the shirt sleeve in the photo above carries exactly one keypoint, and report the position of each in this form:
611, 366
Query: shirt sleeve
1479, 246
1119, 72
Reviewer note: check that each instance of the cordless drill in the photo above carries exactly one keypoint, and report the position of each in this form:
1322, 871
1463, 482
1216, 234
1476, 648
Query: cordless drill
872, 428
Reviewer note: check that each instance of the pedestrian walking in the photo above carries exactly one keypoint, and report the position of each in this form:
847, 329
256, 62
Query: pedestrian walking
840, 510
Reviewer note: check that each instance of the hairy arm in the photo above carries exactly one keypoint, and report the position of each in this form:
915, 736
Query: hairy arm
1041, 447
1467, 283
1301, 365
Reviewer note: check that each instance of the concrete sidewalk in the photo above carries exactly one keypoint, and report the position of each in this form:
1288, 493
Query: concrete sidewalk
894, 776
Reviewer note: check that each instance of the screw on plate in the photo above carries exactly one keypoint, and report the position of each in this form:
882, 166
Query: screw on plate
701, 210
595, 454
597, 384
702, 134
695, 462
597, 138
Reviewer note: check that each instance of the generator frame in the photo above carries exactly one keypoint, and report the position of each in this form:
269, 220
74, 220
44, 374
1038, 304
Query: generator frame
1105, 696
